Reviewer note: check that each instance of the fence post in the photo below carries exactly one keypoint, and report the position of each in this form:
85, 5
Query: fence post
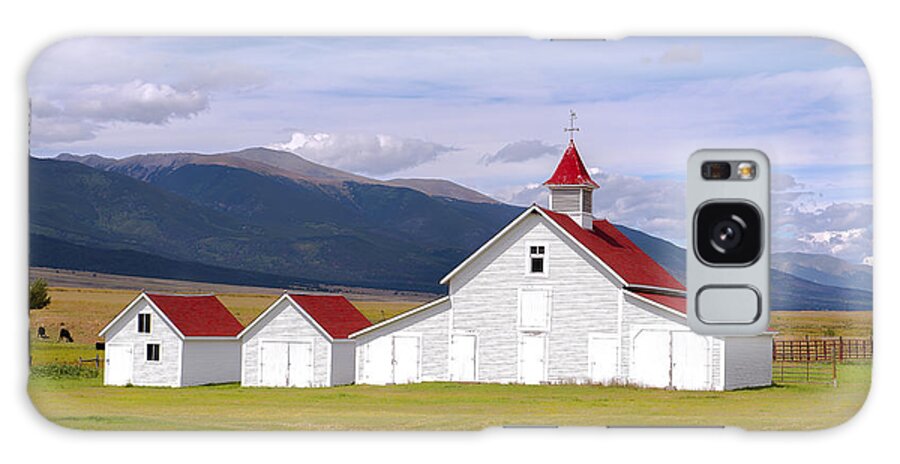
841, 350
833, 368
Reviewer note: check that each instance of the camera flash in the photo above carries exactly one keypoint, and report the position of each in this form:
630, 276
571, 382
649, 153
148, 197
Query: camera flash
746, 170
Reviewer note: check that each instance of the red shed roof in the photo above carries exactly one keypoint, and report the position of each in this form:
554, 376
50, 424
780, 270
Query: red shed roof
197, 315
334, 313
612, 247
678, 303
570, 170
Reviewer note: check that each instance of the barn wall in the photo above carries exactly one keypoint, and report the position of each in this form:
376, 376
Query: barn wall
748, 361
285, 323
432, 324
484, 297
343, 363
164, 372
211, 361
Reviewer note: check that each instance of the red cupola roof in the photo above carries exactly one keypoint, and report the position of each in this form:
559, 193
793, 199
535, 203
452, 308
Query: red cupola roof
571, 170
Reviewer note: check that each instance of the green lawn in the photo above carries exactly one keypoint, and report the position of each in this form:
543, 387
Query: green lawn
86, 404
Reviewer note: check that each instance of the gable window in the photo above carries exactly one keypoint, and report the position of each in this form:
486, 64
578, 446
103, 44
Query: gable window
144, 323
537, 255
153, 352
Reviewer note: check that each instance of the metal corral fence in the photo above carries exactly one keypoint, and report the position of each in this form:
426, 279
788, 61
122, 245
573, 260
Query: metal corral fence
815, 360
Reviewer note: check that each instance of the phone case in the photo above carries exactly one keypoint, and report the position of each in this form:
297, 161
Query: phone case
435, 233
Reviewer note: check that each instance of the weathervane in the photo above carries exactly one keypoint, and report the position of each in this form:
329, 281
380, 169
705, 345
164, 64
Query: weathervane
572, 129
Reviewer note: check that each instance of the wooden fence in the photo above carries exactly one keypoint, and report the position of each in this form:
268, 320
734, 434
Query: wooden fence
821, 349
815, 360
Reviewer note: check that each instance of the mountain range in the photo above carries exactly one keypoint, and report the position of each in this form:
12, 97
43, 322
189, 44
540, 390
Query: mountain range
271, 218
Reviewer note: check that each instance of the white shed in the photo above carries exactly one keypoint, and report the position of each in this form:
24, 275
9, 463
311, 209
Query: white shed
559, 297
172, 341
301, 341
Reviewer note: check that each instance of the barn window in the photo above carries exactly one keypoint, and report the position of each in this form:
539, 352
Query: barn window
153, 352
536, 259
144, 323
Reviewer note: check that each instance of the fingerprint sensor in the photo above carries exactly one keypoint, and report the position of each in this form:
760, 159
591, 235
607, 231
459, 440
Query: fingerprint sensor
728, 304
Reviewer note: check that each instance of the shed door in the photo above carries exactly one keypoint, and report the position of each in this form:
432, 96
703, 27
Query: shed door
274, 358
378, 368
650, 360
531, 358
119, 364
300, 364
406, 359
603, 357
462, 357
690, 367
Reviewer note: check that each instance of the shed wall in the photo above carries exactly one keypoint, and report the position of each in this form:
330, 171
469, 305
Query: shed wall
285, 323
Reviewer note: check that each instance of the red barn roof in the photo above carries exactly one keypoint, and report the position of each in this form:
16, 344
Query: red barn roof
197, 315
678, 303
612, 247
570, 170
334, 313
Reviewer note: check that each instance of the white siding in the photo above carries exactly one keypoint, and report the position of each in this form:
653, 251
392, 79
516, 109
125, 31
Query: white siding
211, 361
485, 295
432, 325
285, 323
748, 361
167, 371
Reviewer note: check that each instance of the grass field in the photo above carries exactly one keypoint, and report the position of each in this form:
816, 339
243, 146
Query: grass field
83, 403
86, 404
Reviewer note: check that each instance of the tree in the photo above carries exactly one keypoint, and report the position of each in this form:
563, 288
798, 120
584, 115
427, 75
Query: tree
38, 297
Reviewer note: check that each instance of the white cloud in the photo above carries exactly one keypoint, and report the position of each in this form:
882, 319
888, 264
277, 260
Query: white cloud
843, 230
522, 150
81, 114
136, 101
367, 154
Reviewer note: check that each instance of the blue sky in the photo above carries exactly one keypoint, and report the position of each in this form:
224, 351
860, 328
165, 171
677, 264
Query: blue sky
488, 113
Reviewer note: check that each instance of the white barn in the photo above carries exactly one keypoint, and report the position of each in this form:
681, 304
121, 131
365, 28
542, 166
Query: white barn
301, 341
558, 297
172, 341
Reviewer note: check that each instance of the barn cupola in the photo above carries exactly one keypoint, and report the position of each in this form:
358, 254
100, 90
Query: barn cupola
571, 186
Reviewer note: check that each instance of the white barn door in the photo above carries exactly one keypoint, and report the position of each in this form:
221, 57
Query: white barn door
300, 364
532, 347
650, 358
119, 364
603, 357
406, 359
378, 368
274, 359
286, 364
690, 366
462, 357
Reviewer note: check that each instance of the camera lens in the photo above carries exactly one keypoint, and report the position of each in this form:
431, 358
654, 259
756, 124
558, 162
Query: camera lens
728, 233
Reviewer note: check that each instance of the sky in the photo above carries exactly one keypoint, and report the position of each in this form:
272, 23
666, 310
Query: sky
489, 113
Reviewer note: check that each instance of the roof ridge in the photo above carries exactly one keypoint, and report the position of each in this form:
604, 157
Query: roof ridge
186, 295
